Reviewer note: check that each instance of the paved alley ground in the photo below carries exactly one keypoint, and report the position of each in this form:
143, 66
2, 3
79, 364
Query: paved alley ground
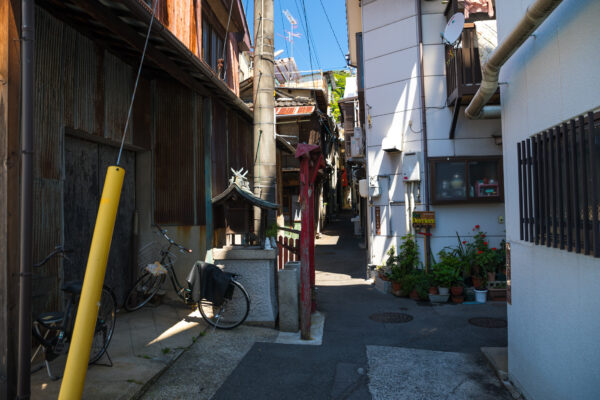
436, 355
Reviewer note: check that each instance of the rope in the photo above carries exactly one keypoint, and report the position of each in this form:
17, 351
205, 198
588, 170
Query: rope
137, 79
225, 40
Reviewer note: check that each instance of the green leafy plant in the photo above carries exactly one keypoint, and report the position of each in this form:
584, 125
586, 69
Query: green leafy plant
272, 230
445, 274
408, 253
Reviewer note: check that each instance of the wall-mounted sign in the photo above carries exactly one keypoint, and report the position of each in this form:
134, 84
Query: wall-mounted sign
423, 219
378, 220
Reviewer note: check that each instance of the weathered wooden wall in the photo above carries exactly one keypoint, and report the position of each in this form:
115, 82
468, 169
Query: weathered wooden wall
85, 90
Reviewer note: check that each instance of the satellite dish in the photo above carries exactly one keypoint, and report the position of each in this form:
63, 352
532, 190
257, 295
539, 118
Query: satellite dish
454, 28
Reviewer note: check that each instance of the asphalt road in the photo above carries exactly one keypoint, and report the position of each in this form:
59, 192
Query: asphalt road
357, 352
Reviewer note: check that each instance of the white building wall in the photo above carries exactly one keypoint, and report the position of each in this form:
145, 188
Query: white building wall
554, 319
393, 101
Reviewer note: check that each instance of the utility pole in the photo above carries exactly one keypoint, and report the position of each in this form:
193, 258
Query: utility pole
265, 154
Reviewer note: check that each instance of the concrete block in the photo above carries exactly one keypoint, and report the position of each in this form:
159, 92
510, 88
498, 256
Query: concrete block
257, 275
295, 266
382, 286
288, 300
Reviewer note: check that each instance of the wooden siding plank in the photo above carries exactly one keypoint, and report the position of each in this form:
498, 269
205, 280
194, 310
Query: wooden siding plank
530, 221
537, 192
559, 188
48, 96
593, 185
520, 173
584, 180
546, 186
174, 155
575, 185
569, 174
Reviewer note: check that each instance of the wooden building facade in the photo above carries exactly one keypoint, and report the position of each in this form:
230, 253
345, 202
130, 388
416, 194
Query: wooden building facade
187, 129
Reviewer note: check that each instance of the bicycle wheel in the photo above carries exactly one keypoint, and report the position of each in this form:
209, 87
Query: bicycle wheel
105, 324
231, 313
145, 288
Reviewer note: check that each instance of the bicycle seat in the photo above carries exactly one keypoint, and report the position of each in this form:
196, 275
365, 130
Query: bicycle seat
50, 318
73, 287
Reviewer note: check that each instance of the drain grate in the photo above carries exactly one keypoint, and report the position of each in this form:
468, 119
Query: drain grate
391, 317
484, 322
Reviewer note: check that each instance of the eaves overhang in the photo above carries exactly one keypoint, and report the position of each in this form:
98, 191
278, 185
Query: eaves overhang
121, 27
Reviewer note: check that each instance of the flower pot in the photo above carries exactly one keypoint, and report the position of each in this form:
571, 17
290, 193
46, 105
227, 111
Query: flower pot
396, 286
414, 295
481, 295
433, 290
456, 290
443, 290
491, 276
438, 298
382, 276
399, 293
458, 299
476, 281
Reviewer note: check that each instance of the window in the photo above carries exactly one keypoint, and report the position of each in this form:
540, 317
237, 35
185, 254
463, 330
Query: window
466, 179
559, 188
212, 47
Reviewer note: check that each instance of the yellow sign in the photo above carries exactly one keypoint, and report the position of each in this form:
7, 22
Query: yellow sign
423, 219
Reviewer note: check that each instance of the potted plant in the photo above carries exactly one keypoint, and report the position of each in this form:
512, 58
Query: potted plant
271, 235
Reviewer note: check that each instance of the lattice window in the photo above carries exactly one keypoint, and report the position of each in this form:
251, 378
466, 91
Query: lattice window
559, 188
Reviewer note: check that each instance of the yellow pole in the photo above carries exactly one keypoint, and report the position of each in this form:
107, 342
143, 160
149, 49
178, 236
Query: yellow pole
85, 322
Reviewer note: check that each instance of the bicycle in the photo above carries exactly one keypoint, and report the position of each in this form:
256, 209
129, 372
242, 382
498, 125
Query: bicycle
228, 315
53, 330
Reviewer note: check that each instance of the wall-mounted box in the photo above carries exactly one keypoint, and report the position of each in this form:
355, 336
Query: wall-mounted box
392, 143
411, 171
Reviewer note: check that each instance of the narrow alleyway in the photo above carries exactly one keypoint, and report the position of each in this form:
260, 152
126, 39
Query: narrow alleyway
352, 343
434, 356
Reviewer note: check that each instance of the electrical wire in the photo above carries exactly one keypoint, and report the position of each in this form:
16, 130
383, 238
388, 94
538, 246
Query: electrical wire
137, 80
332, 31
287, 50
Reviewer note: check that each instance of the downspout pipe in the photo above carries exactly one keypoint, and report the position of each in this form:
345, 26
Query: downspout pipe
25, 256
536, 14
423, 106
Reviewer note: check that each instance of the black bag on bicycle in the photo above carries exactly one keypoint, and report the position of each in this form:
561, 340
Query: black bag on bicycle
207, 281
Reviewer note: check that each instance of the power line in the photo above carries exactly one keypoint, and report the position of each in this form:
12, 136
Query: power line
283, 28
332, 31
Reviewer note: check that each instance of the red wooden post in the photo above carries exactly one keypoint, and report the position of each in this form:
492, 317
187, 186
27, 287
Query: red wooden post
310, 162
280, 263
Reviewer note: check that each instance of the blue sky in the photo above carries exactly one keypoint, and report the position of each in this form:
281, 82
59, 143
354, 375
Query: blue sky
327, 54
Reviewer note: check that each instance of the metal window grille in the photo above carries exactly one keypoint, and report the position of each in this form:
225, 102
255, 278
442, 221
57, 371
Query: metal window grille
559, 188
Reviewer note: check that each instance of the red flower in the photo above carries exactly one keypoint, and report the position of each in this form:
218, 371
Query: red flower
480, 251
476, 226
464, 242
483, 235
493, 248
485, 243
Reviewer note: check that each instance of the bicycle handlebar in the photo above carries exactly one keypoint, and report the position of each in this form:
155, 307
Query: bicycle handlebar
171, 241
57, 250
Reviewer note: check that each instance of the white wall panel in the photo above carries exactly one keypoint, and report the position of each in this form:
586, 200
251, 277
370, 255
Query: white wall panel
394, 97
390, 38
393, 67
384, 12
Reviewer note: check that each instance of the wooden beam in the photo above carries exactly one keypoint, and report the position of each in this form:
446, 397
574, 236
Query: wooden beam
455, 117
10, 48
118, 27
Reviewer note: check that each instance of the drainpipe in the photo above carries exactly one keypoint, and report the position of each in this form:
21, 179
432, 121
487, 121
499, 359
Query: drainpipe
423, 108
536, 14
423, 128
28, 36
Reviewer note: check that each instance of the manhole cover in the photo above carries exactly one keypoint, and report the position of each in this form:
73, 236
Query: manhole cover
484, 322
391, 317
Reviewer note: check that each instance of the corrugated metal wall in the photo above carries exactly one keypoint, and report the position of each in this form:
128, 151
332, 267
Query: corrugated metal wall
81, 86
